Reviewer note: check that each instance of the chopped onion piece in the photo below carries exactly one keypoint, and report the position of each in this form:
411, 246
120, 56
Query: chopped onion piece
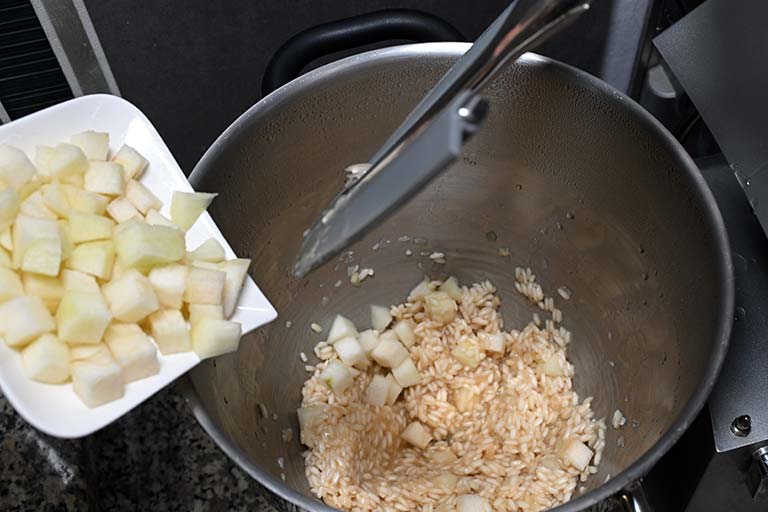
417, 435
472, 503
350, 351
369, 340
378, 390
337, 376
342, 327
404, 331
574, 452
389, 353
452, 288
406, 373
440, 307
380, 317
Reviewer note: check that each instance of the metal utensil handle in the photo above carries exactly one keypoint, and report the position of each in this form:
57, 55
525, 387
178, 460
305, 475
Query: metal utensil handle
522, 24
634, 499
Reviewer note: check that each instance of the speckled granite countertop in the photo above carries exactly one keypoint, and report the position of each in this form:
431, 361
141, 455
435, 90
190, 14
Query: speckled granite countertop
155, 458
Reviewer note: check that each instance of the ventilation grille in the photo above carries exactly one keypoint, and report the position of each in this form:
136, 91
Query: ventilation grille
30, 76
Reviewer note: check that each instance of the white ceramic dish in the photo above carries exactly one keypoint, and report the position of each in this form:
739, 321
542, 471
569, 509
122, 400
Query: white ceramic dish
55, 409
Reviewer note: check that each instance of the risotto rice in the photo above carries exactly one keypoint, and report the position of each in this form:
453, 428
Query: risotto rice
497, 429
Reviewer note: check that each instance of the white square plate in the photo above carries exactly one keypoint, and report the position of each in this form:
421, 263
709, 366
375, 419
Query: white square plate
55, 409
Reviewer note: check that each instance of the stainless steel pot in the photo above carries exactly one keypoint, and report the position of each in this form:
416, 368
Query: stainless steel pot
574, 178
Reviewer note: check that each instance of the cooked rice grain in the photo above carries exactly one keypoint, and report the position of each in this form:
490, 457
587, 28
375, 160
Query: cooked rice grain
500, 444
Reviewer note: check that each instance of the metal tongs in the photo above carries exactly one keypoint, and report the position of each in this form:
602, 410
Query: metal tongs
434, 133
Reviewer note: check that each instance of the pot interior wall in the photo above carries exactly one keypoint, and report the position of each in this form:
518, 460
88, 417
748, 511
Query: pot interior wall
562, 175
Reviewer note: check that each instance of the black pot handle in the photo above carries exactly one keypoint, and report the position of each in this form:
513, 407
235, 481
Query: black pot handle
308, 45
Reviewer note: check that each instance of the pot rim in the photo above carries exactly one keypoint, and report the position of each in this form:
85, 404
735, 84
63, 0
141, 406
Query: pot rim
640, 467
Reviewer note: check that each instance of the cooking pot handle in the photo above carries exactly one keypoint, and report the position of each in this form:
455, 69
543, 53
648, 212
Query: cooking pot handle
387, 25
631, 499
634, 499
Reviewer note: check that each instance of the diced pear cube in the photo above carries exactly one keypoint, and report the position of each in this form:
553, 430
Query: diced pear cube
76, 180
350, 351
404, 331
67, 245
95, 145
77, 281
154, 218
186, 207
139, 245
464, 399
389, 353
6, 239
131, 297
394, 390
207, 265
467, 352
87, 227
310, 418
27, 230
443, 456
94, 258
122, 210
97, 380
9, 207
551, 366
141, 197
82, 317
104, 178
341, 327
494, 343
212, 338
15, 167
118, 270
23, 319
132, 350
417, 435
46, 360
199, 312
472, 503
132, 161
97, 352
10, 285
204, 286
378, 391
368, 340
337, 376
236, 271
60, 161
30, 187
447, 481
47, 288
43, 257
55, 199
85, 201
574, 452
34, 206
170, 331
5, 259
440, 307
406, 374
210, 250
380, 317
452, 288
169, 283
